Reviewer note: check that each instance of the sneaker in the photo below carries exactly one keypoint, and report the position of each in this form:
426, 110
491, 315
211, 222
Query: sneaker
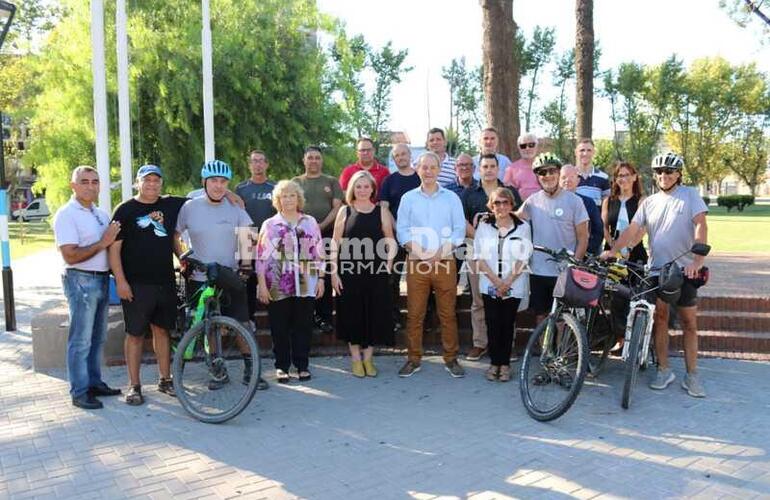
454, 369
476, 353
262, 384
218, 374
492, 373
409, 369
166, 386
371, 370
357, 367
692, 384
282, 376
134, 395
663, 379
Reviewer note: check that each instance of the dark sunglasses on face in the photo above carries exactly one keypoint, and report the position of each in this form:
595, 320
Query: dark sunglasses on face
665, 170
527, 145
500, 203
547, 171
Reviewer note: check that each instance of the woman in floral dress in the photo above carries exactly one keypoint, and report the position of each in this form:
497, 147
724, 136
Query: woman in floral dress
289, 267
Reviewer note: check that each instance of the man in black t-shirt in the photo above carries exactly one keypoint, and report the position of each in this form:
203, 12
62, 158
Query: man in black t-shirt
142, 261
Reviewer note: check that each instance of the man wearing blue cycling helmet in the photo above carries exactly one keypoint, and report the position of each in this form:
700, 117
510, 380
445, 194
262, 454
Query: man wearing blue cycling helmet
220, 232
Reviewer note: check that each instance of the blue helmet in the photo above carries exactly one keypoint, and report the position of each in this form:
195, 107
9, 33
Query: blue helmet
216, 168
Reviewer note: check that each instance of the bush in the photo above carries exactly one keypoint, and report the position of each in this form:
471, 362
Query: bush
739, 201
707, 200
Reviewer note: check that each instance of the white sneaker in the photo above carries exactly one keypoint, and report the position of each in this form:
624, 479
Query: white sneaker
663, 379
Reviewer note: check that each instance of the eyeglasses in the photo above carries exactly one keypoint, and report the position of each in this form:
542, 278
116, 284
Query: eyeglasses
464, 164
665, 170
527, 145
93, 212
547, 171
500, 203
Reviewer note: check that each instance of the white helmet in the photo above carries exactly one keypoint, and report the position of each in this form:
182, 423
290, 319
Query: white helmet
668, 160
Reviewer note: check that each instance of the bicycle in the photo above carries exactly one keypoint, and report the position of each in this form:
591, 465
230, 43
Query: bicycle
211, 350
637, 348
556, 355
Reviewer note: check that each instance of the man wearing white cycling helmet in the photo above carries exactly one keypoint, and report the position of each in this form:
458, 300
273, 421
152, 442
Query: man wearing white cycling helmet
674, 219
219, 232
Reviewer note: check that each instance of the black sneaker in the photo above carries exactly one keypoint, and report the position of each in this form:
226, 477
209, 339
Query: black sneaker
166, 386
87, 402
218, 374
262, 384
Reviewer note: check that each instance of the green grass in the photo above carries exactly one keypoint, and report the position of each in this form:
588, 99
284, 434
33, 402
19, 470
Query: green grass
29, 237
743, 232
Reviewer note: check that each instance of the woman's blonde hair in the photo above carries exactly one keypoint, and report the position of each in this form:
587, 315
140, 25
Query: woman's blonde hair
350, 194
288, 187
501, 192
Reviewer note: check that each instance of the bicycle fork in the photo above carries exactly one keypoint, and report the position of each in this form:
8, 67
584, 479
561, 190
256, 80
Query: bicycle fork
647, 309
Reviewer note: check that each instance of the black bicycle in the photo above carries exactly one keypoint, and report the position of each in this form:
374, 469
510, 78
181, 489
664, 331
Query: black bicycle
216, 365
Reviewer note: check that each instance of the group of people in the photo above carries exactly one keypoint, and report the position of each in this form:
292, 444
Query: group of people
318, 251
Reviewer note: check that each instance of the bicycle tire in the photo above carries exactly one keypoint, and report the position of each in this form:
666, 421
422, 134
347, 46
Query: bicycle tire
633, 362
183, 390
531, 361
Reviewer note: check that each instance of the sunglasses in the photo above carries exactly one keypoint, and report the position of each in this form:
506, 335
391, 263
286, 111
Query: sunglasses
665, 170
544, 172
527, 145
500, 203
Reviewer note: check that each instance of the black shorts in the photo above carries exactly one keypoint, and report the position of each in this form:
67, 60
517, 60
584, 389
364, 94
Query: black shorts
233, 302
152, 304
541, 293
688, 296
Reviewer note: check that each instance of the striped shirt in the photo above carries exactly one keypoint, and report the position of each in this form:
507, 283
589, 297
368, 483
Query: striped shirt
594, 185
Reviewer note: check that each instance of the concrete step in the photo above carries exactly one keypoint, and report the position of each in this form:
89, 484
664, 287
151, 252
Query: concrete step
742, 304
757, 322
725, 341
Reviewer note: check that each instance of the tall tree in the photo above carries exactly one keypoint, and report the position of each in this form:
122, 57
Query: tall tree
584, 67
467, 95
388, 67
535, 55
556, 114
501, 72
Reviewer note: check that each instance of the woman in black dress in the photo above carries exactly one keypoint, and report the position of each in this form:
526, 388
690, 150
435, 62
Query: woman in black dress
363, 250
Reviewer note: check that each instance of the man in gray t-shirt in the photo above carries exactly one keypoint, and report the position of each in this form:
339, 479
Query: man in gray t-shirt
559, 220
674, 219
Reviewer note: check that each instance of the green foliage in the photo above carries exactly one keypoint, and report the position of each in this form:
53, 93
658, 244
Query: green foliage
534, 56
271, 90
466, 102
707, 200
556, 116
366, 116
739, 201
604, 156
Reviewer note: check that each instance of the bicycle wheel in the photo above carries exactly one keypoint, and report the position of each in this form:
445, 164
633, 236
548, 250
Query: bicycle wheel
214, 381
551, 376
634, 360
601, 339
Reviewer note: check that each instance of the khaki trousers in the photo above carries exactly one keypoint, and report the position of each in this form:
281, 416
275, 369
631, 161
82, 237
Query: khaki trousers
478, 321
441, 277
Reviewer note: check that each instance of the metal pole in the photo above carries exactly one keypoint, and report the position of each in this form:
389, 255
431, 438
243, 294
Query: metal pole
124, 111
8, 300
208, 83
100, 103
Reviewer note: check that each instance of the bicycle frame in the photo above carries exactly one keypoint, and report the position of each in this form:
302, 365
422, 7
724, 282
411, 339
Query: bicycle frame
641, 306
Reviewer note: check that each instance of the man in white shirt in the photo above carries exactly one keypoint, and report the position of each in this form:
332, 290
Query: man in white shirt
83, 232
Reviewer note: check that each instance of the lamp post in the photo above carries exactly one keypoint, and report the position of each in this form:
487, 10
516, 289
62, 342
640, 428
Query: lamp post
7, 11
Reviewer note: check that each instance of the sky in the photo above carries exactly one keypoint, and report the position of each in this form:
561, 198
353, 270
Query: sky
436, 31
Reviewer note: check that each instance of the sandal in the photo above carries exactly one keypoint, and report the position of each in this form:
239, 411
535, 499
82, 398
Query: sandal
304, 376
505, 374
134, 395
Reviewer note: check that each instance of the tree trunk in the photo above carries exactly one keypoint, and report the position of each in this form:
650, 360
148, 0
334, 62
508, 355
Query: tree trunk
501, 72
584, 67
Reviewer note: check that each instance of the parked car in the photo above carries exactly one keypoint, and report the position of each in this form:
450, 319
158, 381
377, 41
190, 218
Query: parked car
36, 210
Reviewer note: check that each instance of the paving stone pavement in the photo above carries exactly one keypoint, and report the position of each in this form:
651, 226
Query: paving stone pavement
339, 437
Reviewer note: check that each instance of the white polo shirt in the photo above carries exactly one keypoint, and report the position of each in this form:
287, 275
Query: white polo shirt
75, 224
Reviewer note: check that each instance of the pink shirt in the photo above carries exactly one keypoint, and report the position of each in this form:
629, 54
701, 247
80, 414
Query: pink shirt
519, 175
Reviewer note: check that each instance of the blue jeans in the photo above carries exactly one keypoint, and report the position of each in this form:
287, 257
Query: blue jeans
88, 298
